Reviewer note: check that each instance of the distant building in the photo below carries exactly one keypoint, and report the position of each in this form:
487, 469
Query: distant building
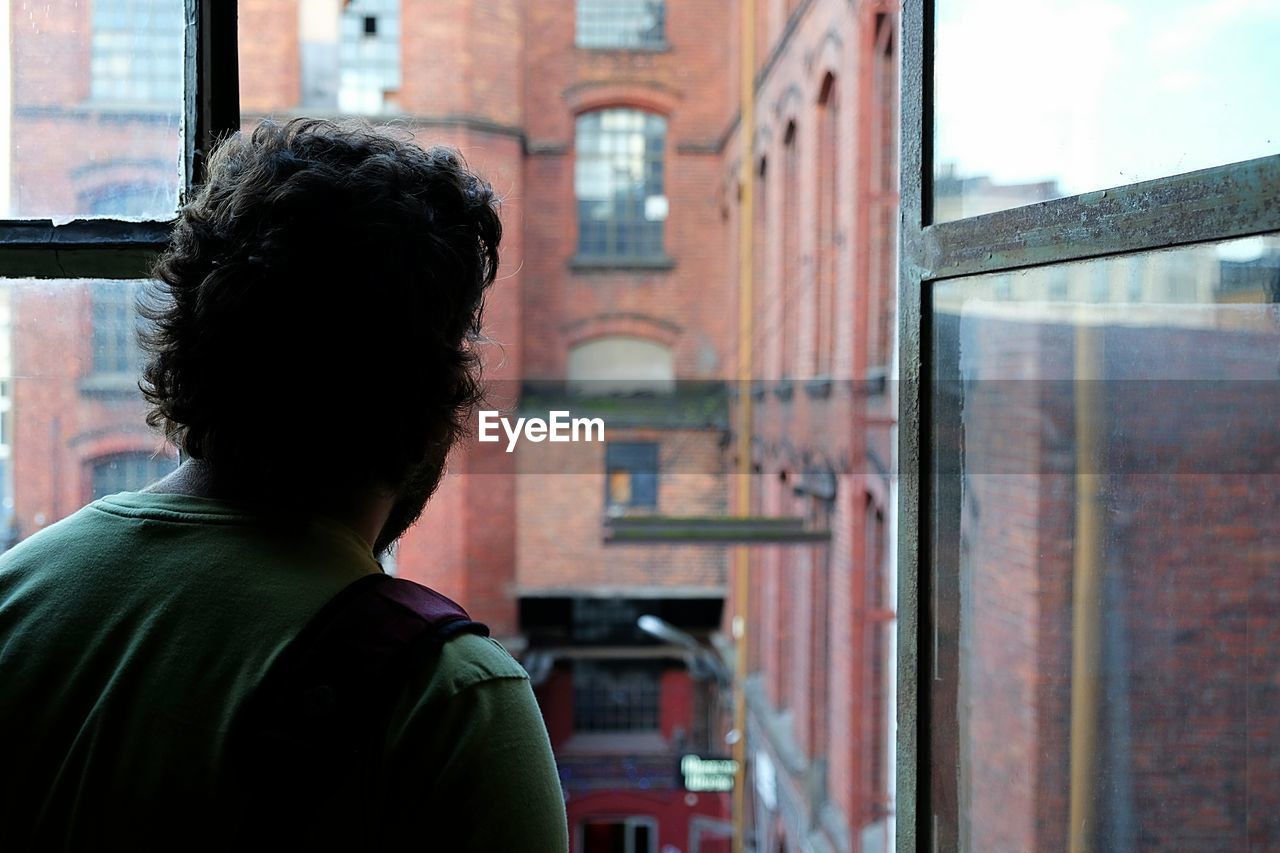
820, 618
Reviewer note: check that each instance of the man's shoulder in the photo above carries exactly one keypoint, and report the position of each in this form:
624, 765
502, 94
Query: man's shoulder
469, 659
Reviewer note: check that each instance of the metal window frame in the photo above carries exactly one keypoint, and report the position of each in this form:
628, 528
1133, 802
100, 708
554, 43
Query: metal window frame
114, 248
617, 225
1218, 203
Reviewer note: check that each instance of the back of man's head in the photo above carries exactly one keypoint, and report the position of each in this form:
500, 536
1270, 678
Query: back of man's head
314, 322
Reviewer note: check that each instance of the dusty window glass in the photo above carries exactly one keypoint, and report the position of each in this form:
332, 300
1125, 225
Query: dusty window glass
72, 419
1106, 465
1134, 91
618, 181
621, 23
101, 137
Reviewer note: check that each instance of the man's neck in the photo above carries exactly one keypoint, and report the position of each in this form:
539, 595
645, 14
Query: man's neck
365, 512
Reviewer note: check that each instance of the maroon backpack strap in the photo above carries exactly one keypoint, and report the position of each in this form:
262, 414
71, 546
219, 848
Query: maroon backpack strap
307, 744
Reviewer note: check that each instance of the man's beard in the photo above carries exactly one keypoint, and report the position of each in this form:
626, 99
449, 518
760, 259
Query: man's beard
410, 499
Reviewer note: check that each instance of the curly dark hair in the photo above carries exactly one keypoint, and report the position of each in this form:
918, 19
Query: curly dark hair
315, 313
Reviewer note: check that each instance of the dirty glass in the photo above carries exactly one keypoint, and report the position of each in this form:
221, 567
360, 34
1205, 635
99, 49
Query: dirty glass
1039, 99
1106, 465
101, 137
71, 415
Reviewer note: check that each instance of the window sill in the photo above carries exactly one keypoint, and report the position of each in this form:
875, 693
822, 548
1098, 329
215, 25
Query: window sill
663, 46
109, 385
587, 263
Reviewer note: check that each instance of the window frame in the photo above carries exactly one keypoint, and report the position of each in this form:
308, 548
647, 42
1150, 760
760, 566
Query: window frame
625, 456
1207, 205
124, 249
611, 258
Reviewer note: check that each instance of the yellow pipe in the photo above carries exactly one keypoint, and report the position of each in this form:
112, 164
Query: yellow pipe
1086, 605
746, 222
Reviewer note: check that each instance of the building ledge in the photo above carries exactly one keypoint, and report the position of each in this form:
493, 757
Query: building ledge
663, 46
588, 263
110, 385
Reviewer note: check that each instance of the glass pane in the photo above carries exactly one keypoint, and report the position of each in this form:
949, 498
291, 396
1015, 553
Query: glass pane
1039, 99
1107, 464
71, 416
95, 110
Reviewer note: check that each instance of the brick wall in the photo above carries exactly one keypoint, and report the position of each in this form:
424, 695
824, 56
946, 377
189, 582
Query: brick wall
824, 306
1186, 568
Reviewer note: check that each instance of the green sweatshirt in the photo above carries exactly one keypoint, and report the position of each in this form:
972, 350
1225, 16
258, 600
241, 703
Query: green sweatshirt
132, 631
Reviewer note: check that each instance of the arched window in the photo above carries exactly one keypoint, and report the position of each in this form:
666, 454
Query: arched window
825, 190
618, 181
620, 365
128, 472
790, 289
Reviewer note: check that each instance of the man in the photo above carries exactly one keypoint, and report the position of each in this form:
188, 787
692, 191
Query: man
312, 352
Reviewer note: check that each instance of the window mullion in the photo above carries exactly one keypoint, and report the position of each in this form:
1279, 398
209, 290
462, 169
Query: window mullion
214, 93
913, 809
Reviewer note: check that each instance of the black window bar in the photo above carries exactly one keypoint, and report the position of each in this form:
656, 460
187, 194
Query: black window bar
120, 249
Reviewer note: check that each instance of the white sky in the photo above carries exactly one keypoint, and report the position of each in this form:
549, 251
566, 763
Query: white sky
1099, 93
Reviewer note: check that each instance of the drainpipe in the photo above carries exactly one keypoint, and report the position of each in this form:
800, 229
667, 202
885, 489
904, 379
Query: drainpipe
746, 253
1086, 609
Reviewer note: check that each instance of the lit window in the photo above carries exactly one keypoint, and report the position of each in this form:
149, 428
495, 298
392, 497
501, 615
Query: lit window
621, 23
631, 471
615, 696
618, 181
137, 52
129, 472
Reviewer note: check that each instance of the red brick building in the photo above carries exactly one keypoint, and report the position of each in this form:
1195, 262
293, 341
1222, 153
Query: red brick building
820, 617
1170, 513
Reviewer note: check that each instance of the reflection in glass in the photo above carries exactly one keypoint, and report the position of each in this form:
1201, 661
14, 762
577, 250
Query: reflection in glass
1138, 90
1107, 464
71, 416
94, 113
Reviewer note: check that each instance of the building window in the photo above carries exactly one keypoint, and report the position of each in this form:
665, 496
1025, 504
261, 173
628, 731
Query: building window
137, 52
368, 55
790, 247
620, 835
631, 475
621, 23
116, 323
129, 472
618, 181
826, 315
615, 696
349, 54
621, 365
